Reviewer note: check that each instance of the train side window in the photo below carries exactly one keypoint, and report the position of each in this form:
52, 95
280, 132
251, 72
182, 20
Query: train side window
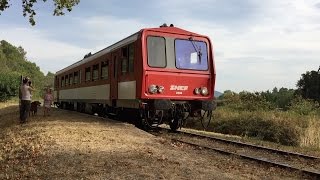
131, 57
104, 70
80, 77
75, 77
95, 72
87, 74
70, 79
115, 66
124, 60
67, 80
62, 81
156, 51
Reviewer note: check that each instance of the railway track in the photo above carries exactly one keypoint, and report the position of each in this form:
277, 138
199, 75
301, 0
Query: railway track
305, 164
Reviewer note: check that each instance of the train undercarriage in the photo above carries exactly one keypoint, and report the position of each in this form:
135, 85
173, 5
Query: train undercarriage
151, 113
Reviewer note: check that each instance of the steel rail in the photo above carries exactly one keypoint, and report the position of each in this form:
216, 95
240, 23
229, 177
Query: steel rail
315, 174
277, 151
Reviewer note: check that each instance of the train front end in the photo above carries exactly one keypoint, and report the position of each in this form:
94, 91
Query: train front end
178, 77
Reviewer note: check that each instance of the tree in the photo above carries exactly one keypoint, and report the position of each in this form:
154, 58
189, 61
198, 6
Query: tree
309, 85
49, 80
9, 85
279, 98
28, 7
14, 63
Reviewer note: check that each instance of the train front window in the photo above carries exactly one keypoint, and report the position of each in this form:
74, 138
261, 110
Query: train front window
191, 54
156, 51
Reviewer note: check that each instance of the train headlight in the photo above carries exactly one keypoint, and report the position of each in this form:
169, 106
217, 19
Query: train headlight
160, 89
204, 91
197, 91
153, 89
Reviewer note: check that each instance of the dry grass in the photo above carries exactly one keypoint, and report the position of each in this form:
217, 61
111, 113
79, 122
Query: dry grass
69, 145
311, 134
284, 128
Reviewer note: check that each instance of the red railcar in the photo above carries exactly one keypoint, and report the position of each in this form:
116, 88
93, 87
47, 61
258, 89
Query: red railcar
156, 75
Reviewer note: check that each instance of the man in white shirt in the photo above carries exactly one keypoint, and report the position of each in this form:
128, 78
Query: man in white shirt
25, 91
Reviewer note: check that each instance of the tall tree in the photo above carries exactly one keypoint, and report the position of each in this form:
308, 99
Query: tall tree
309, 85
28, 7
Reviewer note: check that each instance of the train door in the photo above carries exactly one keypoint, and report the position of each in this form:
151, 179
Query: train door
114, 79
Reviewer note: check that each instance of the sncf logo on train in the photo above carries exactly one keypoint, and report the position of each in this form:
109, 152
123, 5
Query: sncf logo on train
178, 88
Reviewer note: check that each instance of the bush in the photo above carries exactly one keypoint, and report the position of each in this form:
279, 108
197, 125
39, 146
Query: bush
258, 125
9, 86
246, 101
304, 106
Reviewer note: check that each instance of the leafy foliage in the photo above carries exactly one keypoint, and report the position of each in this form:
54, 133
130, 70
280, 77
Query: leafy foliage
309, 85
14, 64
304, 106
29, 10
245, 101
257, 124
48, 80
280, 99
9, 85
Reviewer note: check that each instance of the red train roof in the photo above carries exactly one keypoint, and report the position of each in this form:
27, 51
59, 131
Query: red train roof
172, 30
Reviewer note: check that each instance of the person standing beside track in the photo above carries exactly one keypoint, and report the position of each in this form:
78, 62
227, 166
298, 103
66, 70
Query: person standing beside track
47, 101
25, 91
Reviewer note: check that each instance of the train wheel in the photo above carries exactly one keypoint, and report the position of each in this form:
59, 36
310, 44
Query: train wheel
205, 118
148, 119
179, 119
174, 124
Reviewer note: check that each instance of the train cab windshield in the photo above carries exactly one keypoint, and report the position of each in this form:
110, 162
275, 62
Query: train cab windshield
191, 54
184, 54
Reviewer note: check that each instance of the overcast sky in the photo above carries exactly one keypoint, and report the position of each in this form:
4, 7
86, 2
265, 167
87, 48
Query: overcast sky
258, 44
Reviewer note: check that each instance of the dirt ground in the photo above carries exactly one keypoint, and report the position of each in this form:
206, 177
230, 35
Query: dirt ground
70, 145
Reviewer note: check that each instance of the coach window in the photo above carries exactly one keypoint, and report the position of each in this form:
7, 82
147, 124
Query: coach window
62, 81
95, 72
88, 74
67, 80
104, 70
124, 60
80, 77
131, 57
156, 51
75, 77
70, 79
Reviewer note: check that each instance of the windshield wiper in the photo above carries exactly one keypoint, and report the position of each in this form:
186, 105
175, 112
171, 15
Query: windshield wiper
198, 50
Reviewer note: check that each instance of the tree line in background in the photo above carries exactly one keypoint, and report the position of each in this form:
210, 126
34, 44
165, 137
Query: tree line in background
304, 99
306, 96
282, 99
13, 64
